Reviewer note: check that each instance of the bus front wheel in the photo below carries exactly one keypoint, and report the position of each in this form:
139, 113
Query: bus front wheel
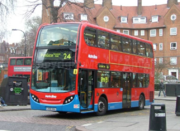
102, 106
141, 102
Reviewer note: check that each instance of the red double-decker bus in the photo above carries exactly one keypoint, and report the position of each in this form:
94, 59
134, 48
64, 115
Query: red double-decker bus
83, 68
19, 66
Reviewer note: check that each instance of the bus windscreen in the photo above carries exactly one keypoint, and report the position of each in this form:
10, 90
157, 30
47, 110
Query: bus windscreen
58, 35
53, 80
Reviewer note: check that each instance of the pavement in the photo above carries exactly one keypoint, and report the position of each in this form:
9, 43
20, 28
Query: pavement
28, 107
86, 127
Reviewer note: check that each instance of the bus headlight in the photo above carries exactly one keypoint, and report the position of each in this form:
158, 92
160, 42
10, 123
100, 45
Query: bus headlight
35, 98
68, 99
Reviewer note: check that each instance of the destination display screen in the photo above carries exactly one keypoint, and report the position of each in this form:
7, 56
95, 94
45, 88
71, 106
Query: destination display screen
104, 66
53, 55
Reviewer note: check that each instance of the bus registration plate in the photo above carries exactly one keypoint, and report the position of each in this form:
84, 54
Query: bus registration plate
50, 109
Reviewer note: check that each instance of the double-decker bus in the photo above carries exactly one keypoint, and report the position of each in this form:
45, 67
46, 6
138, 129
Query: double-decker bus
83, 68
20, 66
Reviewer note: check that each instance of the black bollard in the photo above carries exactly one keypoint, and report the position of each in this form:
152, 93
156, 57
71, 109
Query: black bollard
178, 106
157, 119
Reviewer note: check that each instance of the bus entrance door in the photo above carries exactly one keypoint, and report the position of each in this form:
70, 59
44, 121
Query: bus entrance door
86, 90
126, 100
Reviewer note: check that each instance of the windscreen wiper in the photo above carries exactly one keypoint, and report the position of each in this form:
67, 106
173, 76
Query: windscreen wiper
46, 65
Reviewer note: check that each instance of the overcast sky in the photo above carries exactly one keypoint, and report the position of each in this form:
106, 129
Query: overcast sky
17, 20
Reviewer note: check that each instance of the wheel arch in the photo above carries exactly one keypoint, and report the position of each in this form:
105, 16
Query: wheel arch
143, 96
103, 95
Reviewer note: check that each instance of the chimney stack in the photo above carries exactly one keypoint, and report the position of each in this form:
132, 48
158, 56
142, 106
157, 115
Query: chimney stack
89, 3
107, 3
155, 7
171, 3
139, 7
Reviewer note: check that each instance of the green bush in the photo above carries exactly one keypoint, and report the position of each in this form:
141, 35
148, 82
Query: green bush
156, 87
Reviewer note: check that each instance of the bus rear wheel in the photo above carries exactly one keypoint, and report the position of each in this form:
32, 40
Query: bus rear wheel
141, 102
102, 106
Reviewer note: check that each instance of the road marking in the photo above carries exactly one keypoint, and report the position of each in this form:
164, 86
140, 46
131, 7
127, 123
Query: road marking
69, 127
100, 122
87, 124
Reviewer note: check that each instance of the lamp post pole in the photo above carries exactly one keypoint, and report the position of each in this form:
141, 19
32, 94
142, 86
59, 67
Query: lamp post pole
24, 37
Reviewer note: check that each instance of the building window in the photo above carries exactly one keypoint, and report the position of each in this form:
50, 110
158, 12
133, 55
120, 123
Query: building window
139, 20
173, 45
154, 61
155, 18
126, 32
142, 33
153, 33
123, 19
160, 46
1, 58
173, 17
160, 60
118, 30
154, 47
14, 51
160, 32
83, 17
173, 31
69, 16
136, 33
173, 60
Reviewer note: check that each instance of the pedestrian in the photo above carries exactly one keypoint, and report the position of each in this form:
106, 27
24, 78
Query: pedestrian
161, 88
2, 101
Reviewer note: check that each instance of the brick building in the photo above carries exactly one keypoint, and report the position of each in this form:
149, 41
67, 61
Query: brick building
4, 53
159, 24
16, 50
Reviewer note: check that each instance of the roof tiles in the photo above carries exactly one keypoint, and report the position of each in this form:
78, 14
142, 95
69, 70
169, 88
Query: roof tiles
117, 11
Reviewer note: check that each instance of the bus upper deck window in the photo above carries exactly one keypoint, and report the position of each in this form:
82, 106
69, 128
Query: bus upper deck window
134, 46
115, 43
141, 48
13, 62
103, 39
19, 62
149, 51
90, 36
27, 61
126, 45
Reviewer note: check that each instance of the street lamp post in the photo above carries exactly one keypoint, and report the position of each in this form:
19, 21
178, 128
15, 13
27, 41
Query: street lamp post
24, 37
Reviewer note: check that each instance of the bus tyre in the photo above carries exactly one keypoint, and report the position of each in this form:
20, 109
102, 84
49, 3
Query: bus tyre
102, 106
141, 102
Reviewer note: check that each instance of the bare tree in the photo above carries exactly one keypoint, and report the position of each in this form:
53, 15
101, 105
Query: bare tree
48, 5
159, 67
6, 7
32, 26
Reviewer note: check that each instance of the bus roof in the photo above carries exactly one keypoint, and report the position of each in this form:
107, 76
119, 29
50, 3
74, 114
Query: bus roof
86, 23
